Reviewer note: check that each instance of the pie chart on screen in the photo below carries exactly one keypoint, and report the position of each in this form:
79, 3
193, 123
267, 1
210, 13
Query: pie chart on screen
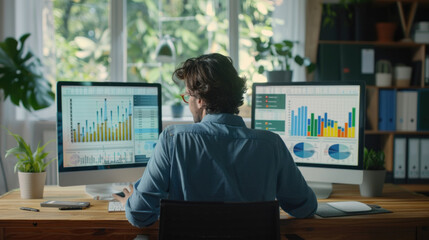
303, 150
339, 151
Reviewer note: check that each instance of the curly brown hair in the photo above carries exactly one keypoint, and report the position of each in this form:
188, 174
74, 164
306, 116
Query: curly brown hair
213, 78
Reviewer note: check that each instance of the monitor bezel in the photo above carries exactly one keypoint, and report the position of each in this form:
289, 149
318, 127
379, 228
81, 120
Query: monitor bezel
362, 113
60, 85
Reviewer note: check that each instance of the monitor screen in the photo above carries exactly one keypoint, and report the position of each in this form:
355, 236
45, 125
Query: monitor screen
321, 124
106, 131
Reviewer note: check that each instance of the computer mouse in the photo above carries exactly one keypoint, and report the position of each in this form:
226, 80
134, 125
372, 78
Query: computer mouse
121, 194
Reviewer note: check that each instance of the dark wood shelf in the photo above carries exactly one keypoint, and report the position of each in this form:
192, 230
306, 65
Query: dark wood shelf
395, 87
377, 132
404, 1
375, 43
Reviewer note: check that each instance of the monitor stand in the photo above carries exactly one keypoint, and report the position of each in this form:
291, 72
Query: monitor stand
321, 189
104, 191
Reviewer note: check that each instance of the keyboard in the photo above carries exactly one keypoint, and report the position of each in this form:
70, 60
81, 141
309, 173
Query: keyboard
115, 206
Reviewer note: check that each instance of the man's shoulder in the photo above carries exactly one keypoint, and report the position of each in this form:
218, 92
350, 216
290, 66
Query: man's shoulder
259, 133
181, 128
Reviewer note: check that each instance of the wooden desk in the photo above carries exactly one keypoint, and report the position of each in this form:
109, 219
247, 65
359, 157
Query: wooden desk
409, 220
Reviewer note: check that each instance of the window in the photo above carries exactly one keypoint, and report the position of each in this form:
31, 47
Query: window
82, 40
191, 28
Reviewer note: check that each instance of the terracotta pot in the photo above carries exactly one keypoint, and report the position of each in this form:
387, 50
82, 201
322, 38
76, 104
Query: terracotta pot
385, 31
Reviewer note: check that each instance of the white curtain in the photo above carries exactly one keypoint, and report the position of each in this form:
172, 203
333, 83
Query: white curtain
19, 17
289, 24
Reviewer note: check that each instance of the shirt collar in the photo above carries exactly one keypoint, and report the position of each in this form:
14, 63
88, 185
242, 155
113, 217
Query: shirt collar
224, 118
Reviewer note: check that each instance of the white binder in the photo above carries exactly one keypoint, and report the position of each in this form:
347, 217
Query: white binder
411, 117
413, 158
401, 111
399, 158
424, 158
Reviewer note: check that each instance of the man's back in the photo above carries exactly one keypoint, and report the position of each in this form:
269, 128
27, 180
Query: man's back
220, 159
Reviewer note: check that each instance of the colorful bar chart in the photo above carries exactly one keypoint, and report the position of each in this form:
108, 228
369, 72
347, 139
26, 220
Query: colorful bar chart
304, 123
111, 122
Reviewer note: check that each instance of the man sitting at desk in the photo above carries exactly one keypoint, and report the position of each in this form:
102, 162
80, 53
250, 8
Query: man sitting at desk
217, 158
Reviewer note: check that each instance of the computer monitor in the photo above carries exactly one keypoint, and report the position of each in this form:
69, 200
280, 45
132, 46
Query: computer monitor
322, 125
106, 133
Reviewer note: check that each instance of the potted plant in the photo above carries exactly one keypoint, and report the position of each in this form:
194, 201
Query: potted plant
21, 76
275, 58
374, 173
177, 106
30, 166
174, 91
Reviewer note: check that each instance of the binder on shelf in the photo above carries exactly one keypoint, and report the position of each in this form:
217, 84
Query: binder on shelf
401, 111
387, 109
413, 165
406, 110
423, 110
399, 160
424, 158
382, 109
391, 113
411, 100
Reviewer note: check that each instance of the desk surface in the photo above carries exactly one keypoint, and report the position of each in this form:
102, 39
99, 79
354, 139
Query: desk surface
410, 217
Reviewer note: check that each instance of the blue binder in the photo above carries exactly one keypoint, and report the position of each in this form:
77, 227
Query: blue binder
382, 109
387, 110
391, 113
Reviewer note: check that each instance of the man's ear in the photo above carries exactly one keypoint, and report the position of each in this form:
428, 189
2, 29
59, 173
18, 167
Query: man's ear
200, 103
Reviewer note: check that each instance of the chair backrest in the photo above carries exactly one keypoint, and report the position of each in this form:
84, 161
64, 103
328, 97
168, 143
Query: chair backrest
219, 220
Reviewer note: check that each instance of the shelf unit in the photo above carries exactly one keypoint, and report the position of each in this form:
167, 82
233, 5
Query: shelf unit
384, 140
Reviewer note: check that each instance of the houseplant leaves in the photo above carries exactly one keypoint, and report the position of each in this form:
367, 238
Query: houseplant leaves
21, 76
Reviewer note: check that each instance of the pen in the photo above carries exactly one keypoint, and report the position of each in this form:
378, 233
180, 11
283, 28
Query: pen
29, 209
71, 208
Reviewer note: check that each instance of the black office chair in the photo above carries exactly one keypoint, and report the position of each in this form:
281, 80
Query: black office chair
219, 220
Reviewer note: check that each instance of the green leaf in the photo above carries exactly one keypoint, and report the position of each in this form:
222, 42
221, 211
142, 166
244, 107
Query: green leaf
28, 161
21, 76
299, 60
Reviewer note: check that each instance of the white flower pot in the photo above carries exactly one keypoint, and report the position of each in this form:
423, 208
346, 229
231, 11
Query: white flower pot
31, 184
383, 79
402, 76
373, 182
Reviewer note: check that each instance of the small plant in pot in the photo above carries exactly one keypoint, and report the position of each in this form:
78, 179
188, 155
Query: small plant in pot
31, 167
374, 173
177, 107
276, 57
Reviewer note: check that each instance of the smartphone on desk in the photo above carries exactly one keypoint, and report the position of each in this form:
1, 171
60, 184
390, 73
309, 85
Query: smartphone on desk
64, 204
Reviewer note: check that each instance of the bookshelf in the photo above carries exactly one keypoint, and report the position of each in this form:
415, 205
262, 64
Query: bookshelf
395, 51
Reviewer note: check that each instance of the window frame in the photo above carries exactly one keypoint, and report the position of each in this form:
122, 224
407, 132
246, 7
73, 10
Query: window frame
118, 28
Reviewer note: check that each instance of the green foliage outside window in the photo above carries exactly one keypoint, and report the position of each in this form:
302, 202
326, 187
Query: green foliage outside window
197, 27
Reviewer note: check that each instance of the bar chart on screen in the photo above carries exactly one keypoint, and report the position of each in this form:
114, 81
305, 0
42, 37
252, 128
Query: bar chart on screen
107, 127
98, 119
314, 123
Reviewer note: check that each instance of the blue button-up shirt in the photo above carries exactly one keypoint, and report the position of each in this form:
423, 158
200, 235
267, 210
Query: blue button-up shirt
219, 159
